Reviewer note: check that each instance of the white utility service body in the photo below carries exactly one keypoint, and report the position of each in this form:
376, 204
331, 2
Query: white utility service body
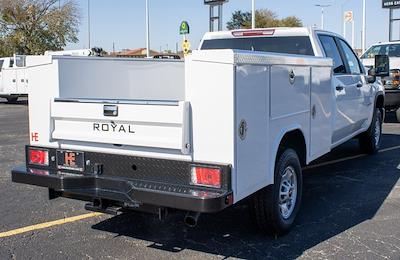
13, 78
154, 124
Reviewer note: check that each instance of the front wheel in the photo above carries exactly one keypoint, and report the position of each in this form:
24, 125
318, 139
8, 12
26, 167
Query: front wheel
370, 141
274, 208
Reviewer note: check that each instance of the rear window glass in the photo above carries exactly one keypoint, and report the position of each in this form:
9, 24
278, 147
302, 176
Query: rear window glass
300, 45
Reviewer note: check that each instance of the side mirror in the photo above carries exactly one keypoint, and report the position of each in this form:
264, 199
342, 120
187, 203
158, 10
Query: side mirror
371, 78
382, 68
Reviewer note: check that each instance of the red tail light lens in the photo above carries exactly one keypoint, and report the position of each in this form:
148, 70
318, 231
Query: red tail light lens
39, 157
203, 176
250, 33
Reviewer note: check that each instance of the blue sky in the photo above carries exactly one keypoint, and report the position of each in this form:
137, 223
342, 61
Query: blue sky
123, 21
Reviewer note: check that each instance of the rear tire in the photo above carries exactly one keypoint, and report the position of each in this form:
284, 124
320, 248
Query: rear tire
398, 115
274, 208
370, 141
12, 99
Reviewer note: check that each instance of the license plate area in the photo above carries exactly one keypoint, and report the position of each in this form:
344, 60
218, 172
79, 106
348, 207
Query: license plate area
70, 160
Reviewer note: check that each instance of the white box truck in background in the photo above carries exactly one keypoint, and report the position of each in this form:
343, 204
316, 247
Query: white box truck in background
238, 119
13, 78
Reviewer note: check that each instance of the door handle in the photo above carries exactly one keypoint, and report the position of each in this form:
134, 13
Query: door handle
339, 88
313, 111
359, 85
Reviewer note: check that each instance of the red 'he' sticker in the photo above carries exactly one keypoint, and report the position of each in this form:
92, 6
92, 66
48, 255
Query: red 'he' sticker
34, 137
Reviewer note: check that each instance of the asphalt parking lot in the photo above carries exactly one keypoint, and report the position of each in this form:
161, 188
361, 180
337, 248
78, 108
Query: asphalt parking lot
351, 209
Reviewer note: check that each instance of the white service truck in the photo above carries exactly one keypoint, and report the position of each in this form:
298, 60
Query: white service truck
13, 78
238, 119
14, 75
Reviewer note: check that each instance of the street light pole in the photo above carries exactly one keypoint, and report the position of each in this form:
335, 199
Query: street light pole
253, 14
89, 23
147, 30
322, 14
364, 26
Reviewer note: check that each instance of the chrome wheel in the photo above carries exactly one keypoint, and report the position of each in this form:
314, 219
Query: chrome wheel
288, 192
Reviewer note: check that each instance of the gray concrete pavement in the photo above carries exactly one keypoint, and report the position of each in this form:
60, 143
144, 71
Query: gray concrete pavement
351, 209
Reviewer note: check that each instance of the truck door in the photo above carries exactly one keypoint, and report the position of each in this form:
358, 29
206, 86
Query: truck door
360, 91
345, 91
21, 81
9, 78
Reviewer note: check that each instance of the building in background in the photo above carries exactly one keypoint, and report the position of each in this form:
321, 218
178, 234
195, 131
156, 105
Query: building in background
135, 53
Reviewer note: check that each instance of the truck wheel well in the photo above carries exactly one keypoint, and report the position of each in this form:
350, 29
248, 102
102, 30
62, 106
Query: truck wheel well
380, 101
295, 140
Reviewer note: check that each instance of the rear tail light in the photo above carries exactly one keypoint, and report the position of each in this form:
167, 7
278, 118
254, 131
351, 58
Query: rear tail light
205, 176
38, 157
250, 33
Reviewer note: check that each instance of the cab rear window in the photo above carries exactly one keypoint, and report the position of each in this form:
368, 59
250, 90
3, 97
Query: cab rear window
300, 45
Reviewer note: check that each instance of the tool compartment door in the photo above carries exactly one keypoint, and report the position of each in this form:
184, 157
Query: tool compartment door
155, 124
252, 115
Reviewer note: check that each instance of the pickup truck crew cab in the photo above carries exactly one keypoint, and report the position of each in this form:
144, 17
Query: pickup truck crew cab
392, 82
238, 119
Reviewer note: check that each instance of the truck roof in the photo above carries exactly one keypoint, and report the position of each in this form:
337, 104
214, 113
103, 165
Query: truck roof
277, 31
385, 43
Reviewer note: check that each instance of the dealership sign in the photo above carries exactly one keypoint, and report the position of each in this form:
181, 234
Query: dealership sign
390, 3
215, 2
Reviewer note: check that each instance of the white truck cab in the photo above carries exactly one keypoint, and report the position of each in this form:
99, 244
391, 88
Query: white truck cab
392, 82
239, 118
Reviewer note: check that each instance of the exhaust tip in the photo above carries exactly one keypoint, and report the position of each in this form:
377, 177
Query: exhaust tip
191, 219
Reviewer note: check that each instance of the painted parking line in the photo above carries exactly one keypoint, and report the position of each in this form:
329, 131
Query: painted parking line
349, 158
48, 224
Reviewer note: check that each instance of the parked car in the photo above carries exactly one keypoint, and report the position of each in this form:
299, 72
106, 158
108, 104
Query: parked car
238, 119
392, 82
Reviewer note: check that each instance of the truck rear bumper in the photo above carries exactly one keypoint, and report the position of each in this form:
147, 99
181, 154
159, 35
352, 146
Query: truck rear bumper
124, 192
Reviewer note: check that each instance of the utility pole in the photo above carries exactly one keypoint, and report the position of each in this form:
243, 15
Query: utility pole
364, 26
253, 14
322, 14
89, 23
147, 30
353, 36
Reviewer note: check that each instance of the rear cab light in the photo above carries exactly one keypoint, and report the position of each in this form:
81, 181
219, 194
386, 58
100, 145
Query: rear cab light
253, 33
206, 176
37, 156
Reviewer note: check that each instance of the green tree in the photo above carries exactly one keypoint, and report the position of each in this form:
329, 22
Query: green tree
239, 20
265, 18
35, 26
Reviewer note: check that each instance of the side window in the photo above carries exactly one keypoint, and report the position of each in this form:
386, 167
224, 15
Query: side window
394, 50
374, 50
1, 65
351, 58
332, 51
